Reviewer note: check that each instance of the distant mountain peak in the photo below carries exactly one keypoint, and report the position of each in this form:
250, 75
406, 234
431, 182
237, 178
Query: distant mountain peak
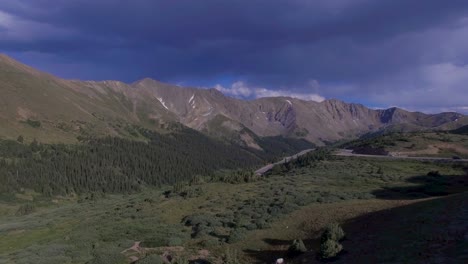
68, 109
147, 81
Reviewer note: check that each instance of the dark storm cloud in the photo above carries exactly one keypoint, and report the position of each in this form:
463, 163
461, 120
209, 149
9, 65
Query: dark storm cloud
359, 49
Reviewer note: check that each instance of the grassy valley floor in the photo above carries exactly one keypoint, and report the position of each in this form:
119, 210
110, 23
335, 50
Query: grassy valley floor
251, 222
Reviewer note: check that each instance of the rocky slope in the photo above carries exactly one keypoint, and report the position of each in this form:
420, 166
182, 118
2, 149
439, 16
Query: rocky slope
39, 105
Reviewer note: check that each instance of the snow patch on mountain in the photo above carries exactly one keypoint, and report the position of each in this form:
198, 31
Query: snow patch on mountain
162, 102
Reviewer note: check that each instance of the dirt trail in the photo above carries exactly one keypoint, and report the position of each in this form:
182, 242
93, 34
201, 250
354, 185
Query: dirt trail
135, 247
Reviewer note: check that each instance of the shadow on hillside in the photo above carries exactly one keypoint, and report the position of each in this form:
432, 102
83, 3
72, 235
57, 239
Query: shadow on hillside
392, 231
404, 234
429, 185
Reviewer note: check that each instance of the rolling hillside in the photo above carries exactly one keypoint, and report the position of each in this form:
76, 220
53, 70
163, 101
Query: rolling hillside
420, 144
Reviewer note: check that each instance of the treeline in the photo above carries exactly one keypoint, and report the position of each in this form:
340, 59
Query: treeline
279, 147
378, 141
117, 165
306, 160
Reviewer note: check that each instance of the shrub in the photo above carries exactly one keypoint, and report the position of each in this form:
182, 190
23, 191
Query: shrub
209, 242
297, 248
104, 257
181, 260
330, 248
333, 232
25, 209
154, 242
262, 223
201, 219
200, 231
236, 235
174, 241
251, 226
33, 123
231, 257
151, 259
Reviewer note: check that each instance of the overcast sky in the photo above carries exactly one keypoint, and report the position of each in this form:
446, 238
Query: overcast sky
407, 53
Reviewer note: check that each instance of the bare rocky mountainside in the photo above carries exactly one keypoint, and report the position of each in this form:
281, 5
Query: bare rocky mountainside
39, 105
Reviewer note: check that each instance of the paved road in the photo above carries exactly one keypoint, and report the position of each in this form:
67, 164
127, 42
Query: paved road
268, 167
349, 153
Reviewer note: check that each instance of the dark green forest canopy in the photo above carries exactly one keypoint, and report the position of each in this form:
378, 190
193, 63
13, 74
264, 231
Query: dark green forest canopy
118, 165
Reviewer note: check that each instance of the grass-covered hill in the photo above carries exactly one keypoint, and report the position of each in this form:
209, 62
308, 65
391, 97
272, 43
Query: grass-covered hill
422, 144
41, 106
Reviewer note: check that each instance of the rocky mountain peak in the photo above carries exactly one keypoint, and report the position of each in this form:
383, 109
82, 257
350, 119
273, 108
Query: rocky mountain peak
68, 108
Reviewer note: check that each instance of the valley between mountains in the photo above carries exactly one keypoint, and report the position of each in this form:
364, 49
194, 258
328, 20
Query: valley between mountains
149, 173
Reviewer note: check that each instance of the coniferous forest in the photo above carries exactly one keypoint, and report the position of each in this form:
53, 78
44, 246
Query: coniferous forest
118, 165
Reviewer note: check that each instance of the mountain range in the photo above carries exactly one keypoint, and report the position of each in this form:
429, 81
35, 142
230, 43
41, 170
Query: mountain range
50, 109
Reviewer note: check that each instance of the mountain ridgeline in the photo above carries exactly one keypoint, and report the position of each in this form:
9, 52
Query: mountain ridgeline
50, 109
65, 136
